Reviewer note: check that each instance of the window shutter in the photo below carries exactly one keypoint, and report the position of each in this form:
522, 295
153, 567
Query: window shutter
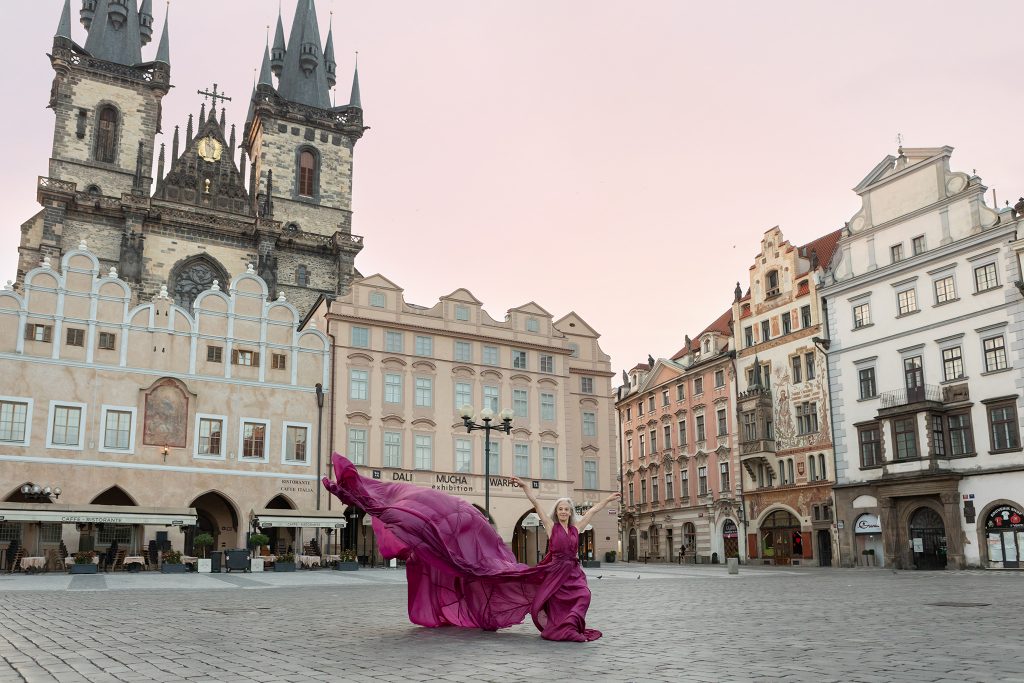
30, 332
234, 356
255, 359
48, 333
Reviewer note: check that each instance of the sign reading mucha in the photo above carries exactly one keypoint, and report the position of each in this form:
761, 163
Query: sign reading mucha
166, 420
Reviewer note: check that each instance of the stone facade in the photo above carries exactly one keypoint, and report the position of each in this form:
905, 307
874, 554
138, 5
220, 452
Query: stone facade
925, 367
679, 456
784, 429
403, 372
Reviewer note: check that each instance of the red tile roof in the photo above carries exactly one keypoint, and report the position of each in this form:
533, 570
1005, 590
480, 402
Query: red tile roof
825, 246
721, 325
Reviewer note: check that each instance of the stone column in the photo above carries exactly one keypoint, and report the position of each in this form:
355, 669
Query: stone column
954, 535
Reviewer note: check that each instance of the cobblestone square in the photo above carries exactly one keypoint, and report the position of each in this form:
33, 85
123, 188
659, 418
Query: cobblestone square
661, 623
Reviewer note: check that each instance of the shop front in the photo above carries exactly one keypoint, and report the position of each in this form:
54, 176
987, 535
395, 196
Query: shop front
1004, 537
297, 531
869, 549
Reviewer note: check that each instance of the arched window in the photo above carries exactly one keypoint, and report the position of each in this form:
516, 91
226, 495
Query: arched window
106, 135
93, 191
307, 173
792, 480
822, 472
812, 468
192, 276
302, 276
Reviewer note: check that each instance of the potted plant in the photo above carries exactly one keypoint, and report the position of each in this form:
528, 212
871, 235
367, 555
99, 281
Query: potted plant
348, 562
84, 563
285, 563
172, 563
257, 541
609, 556
201, 543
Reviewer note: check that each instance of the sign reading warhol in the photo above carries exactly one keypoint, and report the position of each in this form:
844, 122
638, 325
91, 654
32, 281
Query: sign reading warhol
868, 524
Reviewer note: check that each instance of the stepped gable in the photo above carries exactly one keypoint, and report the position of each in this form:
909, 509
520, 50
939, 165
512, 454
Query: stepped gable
207, 157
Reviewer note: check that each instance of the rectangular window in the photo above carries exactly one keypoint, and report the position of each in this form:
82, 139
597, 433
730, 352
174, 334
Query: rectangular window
809, 365
41, 333
682, 434
586, 385
490, 355
952, 363
985, 277
724, 476
795, 361
667, 435
917, 245
905, 435
378, 300
748, 336
938, 436
495, 457
356, 446
392, 449
907, 301
520, 360
787, 323
547, 363
766, 330
491, 398
680, 392
463, 395
1002, 422
461, 313
896, 252
392, 387
464, 352
995, 354
861, 315
643, 491
67, 424
278, 361
805, 316
700, 427
424, 452
590, 426
214, 354
254, 440
723, 427
547, 406
548, 465
424, 392
210, 436
463, 455
631, 497
360, 337
654, 489
698, 386
117, 430
295, 440
521, 465
590, 474
669, 491
643, 445
867, 382
424, 345
640, 408
520, 403
945, 290
664, 397
749, 426
75, 336
359, 384
14, 421
702, 480
684, 484
654, 441
629, 449
961, 435
108, 340
807, 418
650, 403
246, 358
719, 379
394, 342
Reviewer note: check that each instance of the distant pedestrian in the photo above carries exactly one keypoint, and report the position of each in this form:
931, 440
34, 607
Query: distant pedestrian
682, 554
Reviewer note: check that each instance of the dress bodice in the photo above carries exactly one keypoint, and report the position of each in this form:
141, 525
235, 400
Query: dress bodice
564, 543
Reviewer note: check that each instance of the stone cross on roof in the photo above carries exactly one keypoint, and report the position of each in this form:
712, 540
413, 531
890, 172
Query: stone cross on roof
213, 95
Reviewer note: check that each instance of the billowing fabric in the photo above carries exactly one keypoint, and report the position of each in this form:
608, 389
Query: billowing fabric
460, 572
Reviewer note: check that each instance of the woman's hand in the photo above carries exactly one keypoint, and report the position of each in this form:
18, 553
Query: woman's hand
614, 497
519, 482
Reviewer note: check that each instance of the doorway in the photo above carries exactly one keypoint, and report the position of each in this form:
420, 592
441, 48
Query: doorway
928, 539
824, 548
631, 546
730, 539
780, 537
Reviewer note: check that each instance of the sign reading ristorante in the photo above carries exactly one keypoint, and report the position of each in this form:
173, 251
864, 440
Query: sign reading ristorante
441, 481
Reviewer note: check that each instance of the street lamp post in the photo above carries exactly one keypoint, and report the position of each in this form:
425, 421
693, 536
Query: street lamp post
319, 428
487, 416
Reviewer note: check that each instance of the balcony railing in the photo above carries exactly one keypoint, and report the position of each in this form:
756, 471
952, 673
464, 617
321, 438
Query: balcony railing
758, 446
902, 397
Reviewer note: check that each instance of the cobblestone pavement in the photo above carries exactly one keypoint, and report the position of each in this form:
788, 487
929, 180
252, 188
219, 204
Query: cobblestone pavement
661, 623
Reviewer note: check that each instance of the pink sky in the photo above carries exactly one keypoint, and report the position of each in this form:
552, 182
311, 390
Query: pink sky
619, 159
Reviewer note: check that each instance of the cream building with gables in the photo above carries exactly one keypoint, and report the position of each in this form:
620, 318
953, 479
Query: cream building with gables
403, 372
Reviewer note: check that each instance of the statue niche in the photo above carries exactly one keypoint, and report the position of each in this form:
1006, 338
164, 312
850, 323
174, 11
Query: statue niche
129, 264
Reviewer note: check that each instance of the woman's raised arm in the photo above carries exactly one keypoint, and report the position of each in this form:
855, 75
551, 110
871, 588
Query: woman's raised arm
585, 519
536, 505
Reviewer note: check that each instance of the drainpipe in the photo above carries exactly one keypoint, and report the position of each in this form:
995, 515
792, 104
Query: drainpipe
823, 344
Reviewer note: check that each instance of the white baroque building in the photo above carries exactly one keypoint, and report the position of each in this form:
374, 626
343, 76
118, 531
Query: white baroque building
925, 325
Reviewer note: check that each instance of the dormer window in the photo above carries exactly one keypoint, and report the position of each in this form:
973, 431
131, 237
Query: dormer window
106, 135
772, 284
532, 325
707, 346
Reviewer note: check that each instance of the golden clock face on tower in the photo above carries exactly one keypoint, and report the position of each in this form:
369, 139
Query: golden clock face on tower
209, 149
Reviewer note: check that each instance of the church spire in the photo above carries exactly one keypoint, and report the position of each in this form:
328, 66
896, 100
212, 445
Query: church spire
329, 63
163, 51
146, 22
265, 70
354, 99
303, 77
115, 32
277, 54
64, 27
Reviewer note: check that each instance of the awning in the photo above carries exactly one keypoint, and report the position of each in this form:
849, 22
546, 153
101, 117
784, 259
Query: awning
270, 519
96, 514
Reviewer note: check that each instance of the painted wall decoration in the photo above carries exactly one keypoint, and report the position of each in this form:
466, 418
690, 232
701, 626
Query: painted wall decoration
166, 418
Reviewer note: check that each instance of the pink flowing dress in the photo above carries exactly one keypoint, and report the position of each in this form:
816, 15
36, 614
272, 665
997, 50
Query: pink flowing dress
459, 571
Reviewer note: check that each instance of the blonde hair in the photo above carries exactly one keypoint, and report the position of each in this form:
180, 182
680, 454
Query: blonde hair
573, 517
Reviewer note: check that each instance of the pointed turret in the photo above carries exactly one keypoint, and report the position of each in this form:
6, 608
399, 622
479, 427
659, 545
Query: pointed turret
354, 99
114, 31
265, 70
329, 64
87, 13
174, 146
146, 21
163, 51
160, 163
303, 77
278, 53
64, 27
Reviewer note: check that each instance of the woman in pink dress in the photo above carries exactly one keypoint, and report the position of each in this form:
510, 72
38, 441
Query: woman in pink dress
460, 572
